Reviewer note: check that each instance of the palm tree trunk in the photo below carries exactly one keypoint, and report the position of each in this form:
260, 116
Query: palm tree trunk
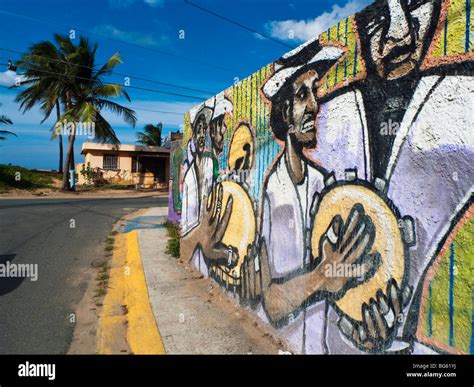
72, 166
60, 138
70, 153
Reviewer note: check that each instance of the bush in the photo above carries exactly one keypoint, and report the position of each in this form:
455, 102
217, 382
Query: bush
174, 240
173, 248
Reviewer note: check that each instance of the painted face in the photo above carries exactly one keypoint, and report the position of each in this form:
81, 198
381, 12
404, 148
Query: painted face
218, 129
397, 36
200, 134
305, 108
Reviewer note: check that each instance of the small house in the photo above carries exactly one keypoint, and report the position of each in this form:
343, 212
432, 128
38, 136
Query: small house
141, 166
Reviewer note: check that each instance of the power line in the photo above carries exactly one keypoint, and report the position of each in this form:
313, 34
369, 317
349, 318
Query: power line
113, 84
158, 111
238, 24
15, 88
121, 41
112, 72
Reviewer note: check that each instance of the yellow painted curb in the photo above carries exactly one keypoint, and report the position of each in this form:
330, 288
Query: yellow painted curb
112, 321
127, 287
142, 334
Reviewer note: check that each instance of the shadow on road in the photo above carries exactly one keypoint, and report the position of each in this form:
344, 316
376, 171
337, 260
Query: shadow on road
8, 284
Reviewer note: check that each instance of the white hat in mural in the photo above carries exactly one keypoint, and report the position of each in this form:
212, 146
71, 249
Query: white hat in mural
222, 105
206, 107
193, 111
311, 54
202, 109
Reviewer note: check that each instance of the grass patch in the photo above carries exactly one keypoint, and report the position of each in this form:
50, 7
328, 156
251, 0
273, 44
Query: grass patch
109, 248
15, 177
110, 241
100, 292
174, 233
102, 277
102, 281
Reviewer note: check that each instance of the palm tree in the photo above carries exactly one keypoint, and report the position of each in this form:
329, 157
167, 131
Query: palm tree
5, 121
45, 68
151, 135
89, 94
69, 77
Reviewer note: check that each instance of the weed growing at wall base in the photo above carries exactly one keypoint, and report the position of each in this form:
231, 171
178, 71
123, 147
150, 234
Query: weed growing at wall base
173, 245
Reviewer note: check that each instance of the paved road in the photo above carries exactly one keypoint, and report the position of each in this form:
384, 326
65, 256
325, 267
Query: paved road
34, 315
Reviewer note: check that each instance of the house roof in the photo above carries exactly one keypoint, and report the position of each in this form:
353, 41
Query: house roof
89, 146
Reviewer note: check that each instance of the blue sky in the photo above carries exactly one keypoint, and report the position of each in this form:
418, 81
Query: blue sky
147, 34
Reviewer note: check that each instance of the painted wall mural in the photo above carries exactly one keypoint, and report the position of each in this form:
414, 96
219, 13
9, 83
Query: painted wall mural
332, 191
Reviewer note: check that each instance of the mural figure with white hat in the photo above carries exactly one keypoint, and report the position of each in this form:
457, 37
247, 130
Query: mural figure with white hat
293, 285
201, 236
218, 128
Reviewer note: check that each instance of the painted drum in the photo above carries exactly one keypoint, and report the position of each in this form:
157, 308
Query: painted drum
241, 148
240, 231
388, 240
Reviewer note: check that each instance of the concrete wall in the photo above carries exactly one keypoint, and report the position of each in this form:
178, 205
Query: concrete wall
96, 158
332, 190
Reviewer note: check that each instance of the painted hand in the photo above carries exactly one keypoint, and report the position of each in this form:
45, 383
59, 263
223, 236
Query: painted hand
347, 245
381, 318
212, 227
209, 232
254, 274
250, 279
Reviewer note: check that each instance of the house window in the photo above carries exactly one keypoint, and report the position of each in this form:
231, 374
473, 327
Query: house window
110, 162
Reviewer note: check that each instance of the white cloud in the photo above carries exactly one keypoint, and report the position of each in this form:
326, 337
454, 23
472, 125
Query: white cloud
148, 40
303, 30
154, 3
122, 4
8, 78
259, 36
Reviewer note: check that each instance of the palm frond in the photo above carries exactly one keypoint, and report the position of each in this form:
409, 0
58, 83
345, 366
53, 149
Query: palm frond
109, 66
127, 114
151, 135
104, 132
5, 120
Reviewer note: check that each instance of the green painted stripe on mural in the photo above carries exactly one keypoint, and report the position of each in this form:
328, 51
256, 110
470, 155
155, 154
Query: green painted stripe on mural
440, 302
463, 284
464, 244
